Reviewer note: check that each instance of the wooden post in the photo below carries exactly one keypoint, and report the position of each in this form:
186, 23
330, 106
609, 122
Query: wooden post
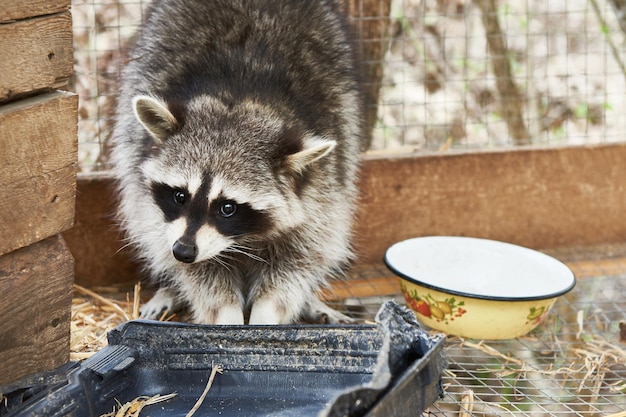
38, 152
370, 20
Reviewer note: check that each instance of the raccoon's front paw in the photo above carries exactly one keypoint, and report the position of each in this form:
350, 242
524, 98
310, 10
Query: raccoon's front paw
164, 300
320, 313
270, 311
226, 314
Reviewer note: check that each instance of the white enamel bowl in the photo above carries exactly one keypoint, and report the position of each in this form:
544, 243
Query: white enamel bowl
477, 288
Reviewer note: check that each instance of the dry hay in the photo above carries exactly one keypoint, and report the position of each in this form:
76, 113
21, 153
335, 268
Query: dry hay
94, 315
467, 404
134, 407
594, 359
97, 311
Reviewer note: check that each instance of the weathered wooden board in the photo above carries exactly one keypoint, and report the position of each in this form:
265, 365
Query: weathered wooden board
540, 198
35, 54
38, 153
38, 135
21, 9
36, 287
35, 208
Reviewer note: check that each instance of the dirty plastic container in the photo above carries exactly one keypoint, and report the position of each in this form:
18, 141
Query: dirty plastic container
389, 369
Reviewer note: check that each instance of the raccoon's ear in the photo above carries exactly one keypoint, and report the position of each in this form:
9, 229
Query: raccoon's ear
154, 115
312, 150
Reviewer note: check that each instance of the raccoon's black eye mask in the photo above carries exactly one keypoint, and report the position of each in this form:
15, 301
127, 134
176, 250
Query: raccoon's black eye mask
229, 217
170, 200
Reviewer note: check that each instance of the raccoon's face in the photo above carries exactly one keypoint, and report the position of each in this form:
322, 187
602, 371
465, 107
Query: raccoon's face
202, 223
222, 178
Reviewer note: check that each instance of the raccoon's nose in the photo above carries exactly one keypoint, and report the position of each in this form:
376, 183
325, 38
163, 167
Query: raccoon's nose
184, 252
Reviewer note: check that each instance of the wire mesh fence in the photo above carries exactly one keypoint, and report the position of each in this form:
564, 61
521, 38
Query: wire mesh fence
103, 31
454, 74
484, 73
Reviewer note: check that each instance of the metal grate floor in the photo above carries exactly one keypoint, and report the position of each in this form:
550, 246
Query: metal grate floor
573, 364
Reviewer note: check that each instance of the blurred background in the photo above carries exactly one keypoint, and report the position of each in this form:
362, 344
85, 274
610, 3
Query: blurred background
448, 74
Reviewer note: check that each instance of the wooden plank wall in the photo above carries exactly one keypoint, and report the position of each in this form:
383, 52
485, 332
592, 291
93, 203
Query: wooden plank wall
38, 152
539, 198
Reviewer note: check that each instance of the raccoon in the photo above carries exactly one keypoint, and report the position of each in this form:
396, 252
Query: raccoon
235, 149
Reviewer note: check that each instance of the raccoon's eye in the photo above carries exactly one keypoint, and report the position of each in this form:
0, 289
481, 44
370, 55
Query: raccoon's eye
228, 208
180, 197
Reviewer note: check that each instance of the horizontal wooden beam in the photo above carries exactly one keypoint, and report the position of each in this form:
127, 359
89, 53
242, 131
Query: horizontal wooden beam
539, 198
22, 9
36, 55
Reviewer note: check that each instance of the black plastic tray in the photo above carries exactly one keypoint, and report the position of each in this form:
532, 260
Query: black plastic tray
390, 369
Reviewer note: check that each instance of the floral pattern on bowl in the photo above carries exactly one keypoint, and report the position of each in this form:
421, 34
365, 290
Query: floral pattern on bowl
426, 305
536, 315
474, 318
